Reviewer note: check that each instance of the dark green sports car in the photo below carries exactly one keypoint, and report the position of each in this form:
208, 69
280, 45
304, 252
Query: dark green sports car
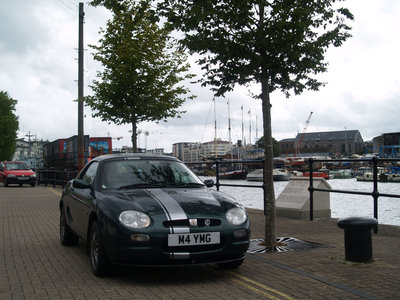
137, 209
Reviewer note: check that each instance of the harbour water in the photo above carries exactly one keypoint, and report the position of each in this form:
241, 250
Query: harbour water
342, 205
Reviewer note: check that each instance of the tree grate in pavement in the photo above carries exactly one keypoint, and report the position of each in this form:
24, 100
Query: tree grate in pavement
284, 244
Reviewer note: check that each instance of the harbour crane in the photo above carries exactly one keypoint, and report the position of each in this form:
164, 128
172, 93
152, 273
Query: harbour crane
301, 136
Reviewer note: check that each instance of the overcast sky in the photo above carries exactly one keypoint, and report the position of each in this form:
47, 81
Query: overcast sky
38, 67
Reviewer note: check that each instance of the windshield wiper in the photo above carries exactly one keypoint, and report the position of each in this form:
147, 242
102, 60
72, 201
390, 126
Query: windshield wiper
141, 185
188, 184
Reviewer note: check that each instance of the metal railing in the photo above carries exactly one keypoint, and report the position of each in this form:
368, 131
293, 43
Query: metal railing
375, 192
218, 163
54, 177
373, 161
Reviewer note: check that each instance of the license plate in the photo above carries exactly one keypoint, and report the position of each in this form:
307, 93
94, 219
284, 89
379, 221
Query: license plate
193, 239
23, 178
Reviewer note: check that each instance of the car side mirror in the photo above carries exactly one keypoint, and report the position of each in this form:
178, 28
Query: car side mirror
81, 184
209, 183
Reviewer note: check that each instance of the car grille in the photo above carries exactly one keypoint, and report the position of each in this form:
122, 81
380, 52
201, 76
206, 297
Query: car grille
200, 223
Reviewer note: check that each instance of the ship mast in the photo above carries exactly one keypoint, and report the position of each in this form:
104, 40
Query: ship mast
257, 131
215, 130
243, 143
229, 125
249, 126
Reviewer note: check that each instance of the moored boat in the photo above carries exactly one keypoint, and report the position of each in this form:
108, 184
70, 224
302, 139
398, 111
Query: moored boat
318, 174
340, 174
256, 175
367, 176
394, 177
234, 174
278, 175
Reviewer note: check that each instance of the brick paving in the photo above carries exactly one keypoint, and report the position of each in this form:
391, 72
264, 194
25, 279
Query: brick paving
34, 265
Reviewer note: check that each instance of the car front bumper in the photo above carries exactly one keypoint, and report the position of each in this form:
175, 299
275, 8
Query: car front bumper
21, 180
121, 250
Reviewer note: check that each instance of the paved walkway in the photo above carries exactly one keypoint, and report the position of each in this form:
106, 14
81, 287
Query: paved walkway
34, 265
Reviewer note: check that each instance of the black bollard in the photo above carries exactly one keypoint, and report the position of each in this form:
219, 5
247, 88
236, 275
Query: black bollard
357, 238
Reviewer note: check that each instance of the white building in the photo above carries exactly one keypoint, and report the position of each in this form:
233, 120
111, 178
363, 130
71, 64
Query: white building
157, 151
192, 152
178, 149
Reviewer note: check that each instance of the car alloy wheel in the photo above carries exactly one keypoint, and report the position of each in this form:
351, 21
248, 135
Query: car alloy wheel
98, 258
67, 237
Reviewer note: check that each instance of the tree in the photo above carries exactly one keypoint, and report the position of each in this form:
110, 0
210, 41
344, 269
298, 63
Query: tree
278, 44
9, 126
275, 145
142, 69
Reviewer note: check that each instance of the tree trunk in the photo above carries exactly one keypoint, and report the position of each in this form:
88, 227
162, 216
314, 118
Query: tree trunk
269, 194
134, 137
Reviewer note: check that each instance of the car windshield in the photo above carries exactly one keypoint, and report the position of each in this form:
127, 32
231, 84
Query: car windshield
16, 166
126, 174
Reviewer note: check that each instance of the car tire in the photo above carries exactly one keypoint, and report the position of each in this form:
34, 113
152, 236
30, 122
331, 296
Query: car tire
99, 262
67, 237
231, 264
5, 183
32, 185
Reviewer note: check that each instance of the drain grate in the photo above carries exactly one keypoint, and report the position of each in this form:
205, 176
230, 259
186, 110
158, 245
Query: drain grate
286, 244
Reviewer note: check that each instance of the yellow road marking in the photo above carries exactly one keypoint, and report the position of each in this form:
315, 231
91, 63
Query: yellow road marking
260, 285
254, 289
54, 191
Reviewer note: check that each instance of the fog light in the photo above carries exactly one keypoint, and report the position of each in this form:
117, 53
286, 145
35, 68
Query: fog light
240, 234
140, 237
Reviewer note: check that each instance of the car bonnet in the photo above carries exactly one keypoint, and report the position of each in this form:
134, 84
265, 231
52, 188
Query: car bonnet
174, 203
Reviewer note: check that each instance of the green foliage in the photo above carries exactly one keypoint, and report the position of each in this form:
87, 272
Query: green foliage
143, 70
241, 42
275, 145
9, 126
278, 44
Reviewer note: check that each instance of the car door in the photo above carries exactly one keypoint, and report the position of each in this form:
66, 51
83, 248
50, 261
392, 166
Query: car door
81, 201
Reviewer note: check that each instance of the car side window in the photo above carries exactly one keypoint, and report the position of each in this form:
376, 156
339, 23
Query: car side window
90, 173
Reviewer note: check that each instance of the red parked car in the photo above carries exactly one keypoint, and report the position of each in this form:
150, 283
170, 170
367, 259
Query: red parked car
16, 172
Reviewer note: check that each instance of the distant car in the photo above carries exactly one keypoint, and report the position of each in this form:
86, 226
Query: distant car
16, 172
135, 209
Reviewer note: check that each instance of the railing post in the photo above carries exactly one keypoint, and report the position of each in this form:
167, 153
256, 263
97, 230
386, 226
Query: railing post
55, 179
375, 192
217, 184
311, 189
263, 187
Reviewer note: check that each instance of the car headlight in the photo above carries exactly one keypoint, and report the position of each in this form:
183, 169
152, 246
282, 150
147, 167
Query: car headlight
236, 216
33, 175
11, 175
134, 219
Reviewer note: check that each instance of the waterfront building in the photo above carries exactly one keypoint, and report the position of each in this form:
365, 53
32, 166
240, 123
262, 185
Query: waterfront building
192, 152
386, 145
344, 142
216, 148
156, 151
178, 149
